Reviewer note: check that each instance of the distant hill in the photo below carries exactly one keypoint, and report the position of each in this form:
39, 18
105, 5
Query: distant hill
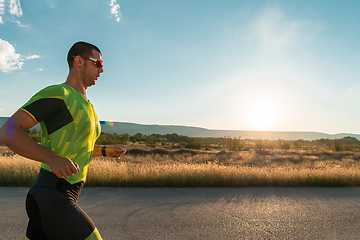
132, 128
2, 120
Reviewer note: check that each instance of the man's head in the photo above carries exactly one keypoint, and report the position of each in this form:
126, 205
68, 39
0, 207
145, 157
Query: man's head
83, 49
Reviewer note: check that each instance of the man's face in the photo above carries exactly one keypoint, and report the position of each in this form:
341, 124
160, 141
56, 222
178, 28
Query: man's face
91, 72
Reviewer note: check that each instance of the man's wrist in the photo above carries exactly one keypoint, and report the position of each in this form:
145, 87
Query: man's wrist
103, 151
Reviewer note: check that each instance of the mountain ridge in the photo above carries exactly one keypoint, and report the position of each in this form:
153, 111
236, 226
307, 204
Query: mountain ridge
133, 128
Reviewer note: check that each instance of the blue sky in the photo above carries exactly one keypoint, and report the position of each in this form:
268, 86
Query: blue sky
234, 65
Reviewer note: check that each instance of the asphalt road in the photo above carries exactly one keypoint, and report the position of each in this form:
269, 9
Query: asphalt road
214, 213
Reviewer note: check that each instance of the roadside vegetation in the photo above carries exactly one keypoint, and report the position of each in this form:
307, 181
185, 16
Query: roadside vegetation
178, 161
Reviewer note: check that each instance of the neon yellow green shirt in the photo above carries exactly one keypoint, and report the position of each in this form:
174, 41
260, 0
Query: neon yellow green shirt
69, 125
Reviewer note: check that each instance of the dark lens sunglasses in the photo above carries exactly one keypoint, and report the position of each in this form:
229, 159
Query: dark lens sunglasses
97, 62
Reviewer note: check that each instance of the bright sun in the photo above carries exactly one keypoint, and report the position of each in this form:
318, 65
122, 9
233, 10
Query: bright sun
262, 115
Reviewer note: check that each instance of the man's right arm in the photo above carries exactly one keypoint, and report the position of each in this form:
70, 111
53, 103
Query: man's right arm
13, 134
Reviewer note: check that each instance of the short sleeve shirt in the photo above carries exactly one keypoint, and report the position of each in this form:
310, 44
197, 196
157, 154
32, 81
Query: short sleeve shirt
69, 125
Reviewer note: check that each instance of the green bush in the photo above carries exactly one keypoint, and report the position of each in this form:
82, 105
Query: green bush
190, 143
151, 142
234, 144
284, 144
112, 139
340, 145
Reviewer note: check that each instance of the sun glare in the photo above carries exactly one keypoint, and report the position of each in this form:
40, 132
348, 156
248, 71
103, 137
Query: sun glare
262, 115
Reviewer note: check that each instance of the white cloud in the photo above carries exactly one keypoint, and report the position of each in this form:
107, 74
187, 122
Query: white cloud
11, 11
9, 59
32, 57
2, 7
39, 69
2, 11
115, 10
15, 8
21, 25
275, 30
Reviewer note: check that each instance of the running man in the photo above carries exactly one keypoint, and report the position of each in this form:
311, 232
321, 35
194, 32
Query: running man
69, 129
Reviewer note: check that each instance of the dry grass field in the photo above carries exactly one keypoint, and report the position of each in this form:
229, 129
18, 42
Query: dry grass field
164, 167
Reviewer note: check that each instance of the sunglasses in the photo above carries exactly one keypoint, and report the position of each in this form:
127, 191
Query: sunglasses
97, 62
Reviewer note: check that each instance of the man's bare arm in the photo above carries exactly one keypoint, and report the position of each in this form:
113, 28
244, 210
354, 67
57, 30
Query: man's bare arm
13, 134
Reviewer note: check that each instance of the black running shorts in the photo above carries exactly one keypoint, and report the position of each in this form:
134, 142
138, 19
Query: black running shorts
51, 205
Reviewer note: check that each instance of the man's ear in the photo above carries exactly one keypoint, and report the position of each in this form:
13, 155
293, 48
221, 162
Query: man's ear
78, 62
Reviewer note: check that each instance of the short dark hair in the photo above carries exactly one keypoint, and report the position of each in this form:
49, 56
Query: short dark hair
83, 49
